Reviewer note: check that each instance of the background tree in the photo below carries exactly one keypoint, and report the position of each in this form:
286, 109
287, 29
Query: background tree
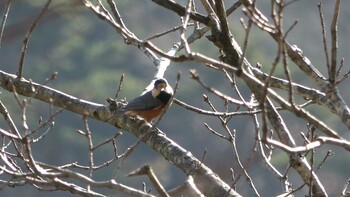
265, 118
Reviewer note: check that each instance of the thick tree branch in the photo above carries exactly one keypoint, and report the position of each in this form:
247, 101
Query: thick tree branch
51, 96
208, 182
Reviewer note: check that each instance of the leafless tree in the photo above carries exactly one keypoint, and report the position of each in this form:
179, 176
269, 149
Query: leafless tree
271, 95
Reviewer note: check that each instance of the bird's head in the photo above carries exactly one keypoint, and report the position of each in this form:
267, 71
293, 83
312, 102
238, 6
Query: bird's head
160, 84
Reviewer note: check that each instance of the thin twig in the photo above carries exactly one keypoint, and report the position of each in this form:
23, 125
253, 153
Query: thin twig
288, 76
249, 159
45, 133
87, 134
9, 121
147, 170
183, 29
195, 76
107, 140
166, 32
325, 49
214, 113
340, 68
216, 133
266, 159
27, 38
232, 140
312, 159
246, 39
42, 124
290, 29
117, 16
334, 35
328, 154
344, 77
4, 18
207, 6
120, 86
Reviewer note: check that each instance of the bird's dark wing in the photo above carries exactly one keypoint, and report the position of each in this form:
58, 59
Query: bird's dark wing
143, 102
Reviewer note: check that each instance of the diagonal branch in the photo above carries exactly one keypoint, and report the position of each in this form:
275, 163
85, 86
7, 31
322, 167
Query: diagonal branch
28, 35
181, 10
208, 182
147, 170
51, 96
4, 19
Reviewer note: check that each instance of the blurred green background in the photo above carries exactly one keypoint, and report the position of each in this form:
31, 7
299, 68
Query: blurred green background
90, 57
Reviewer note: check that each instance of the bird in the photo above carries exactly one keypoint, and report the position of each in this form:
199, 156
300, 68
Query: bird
151, 102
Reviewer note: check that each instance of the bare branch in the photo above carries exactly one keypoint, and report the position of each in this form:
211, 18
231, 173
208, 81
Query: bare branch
208, 7
334, 34
312, 145
232, 140
166, 32
216, 133
325, 49
9, 121
185, 20
4, 18
107, 140
328, 154
120, 86
195, 76
213, 113
147, 170
28, 35
117, 15
51, 96
181, 11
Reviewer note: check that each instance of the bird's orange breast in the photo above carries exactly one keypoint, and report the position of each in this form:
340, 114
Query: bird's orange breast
148, 115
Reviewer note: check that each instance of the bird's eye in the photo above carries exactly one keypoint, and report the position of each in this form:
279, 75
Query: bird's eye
161, 86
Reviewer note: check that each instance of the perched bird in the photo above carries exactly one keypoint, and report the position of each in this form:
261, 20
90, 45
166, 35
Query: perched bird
151, 102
